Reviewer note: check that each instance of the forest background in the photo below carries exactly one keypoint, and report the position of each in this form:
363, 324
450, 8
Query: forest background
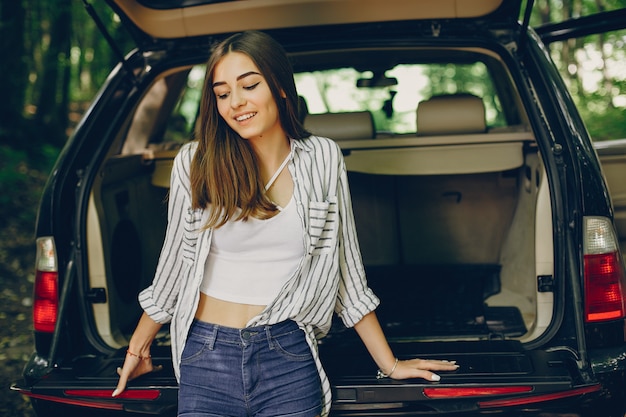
54, 60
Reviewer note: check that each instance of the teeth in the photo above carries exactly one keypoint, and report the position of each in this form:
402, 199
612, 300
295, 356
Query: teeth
245, 117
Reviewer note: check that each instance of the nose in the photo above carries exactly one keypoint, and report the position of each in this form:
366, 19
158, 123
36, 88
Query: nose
237, 99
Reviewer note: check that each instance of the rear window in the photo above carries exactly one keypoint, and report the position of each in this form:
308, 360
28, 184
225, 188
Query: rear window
392, 96
390, 87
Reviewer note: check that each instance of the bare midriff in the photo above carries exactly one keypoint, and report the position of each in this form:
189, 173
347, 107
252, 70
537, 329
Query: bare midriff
226, 313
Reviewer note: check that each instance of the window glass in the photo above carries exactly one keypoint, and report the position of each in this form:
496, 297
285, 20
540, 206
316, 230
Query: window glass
181, 122
165, 116
392, 97
593, 69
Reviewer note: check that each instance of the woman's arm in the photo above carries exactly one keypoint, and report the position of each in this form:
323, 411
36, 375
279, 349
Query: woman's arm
160, 298
372, 335
355, 297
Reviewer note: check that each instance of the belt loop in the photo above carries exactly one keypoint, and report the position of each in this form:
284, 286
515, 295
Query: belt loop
268, 333
212, 337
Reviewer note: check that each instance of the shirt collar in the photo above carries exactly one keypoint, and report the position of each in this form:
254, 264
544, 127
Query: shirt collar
302, 144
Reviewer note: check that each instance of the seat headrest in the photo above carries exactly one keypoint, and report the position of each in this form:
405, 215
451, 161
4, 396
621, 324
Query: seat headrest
341, 126
451, 114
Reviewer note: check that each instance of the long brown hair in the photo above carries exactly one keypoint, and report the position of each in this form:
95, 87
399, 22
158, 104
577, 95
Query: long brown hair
224, 170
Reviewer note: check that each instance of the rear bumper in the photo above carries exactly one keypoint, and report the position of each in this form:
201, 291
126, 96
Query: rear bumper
588, 400
88, 385
146, 400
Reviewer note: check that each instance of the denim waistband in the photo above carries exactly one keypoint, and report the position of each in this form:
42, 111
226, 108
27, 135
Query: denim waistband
246, 335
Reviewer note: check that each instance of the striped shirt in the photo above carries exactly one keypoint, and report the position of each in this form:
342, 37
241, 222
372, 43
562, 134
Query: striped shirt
329, 278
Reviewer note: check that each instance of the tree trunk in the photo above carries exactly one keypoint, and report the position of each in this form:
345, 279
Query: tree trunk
52, 108
12, 67
607, 81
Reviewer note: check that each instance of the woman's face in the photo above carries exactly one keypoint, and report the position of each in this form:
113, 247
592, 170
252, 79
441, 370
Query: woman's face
244, 99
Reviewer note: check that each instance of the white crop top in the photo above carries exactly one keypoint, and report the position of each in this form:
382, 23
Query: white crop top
250, 261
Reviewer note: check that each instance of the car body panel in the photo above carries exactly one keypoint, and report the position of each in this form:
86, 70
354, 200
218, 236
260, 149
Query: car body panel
233, 16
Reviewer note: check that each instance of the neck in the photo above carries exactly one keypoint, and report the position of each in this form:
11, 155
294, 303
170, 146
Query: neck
271, 153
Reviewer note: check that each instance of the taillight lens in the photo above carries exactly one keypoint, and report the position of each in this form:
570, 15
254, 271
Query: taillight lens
129, 394
604, 272
457, 392
46, 293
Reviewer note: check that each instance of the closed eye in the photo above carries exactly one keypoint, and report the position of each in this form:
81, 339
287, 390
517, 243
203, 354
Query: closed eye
253, 86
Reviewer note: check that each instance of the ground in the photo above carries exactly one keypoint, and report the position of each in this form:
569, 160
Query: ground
16, 339
20, 191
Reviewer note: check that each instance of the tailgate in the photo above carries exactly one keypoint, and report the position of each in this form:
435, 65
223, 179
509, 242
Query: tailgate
493, 375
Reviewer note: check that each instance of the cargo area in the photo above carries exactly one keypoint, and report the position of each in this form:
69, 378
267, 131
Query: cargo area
457, 256
452, 256
454, 221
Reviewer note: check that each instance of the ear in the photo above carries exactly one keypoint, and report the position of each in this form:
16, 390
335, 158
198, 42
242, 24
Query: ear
282, 93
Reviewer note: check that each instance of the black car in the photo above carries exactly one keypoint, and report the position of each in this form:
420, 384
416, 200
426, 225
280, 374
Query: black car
484, 219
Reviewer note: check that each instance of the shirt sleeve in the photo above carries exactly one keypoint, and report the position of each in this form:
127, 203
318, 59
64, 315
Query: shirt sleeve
354, 299
159, 299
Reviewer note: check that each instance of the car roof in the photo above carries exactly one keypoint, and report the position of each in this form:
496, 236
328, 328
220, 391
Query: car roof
171, 19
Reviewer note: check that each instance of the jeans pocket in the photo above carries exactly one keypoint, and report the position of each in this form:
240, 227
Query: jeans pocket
194, 347
292, 346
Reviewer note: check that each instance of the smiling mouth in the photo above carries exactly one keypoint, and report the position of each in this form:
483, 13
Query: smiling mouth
244, 117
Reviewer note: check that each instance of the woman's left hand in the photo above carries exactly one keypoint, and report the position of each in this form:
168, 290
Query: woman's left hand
422, 368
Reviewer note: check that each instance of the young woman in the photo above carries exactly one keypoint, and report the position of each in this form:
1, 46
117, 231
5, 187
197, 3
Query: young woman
260, 250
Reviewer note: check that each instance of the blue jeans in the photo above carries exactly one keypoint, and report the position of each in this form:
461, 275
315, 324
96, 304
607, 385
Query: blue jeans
265, 371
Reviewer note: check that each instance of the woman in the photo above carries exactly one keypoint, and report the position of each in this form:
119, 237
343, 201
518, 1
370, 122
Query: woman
260, 250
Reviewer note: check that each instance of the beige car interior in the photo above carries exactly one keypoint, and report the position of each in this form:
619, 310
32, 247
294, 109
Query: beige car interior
453, 193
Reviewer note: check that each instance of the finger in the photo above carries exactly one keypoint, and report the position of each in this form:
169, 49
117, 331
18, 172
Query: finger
435, 365
424, 374
439, 366
121, 384
132, 370
124, 374
419, 368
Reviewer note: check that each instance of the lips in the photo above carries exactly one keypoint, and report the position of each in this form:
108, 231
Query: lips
244, 117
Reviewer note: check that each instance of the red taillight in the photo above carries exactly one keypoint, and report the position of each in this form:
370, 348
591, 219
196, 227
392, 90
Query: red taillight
457, 392
46, 293
533, 399
129, 394
95, 398
604, 272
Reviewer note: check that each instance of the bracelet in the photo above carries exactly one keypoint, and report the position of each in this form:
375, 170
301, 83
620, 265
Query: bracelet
380, 374
138, 356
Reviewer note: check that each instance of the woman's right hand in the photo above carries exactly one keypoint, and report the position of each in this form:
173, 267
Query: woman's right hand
134, 366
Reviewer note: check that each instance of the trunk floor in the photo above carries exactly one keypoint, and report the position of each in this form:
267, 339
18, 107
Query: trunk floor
442, 301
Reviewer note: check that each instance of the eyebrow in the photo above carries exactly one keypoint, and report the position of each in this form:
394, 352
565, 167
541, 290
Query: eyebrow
244, 75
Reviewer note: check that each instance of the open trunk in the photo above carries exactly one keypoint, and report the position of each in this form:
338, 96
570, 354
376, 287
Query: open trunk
455, 226
462, 263
453, 214
462, 256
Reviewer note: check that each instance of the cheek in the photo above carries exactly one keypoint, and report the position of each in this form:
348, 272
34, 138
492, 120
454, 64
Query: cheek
224, 111
222, 108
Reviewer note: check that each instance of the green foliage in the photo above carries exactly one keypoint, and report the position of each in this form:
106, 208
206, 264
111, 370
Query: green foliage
591, 66
606, 125
22, 177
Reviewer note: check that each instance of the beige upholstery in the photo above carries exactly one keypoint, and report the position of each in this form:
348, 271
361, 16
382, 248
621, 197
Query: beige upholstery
341, 126
451, 114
